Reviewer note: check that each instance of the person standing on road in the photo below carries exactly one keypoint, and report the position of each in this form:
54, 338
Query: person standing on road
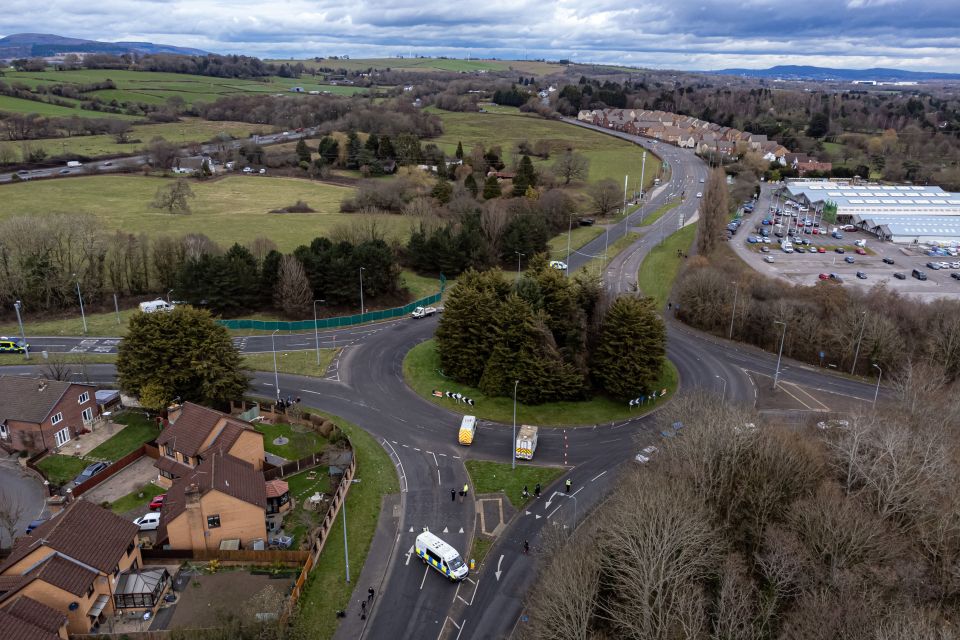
526, 547
536, 490
569, 484
463, 494
370, 594
453, 495
363, 609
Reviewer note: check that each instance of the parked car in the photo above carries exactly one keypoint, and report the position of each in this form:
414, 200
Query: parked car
821, 250
860, 252
89, 472
849, 260
861, 275
900, 276
888, 261
559, 265
955, 276
248, 170
157, 503
799, 249
919, 275
836, 277
148, 522
933, 266
768, 259
839, 250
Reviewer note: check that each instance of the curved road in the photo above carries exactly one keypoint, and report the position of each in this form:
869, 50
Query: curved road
367, 388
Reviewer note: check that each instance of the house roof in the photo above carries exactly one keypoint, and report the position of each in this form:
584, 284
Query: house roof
194, 426
64, 574
15, 628
276, 488
37, 614
220, 472
84, 532
30, 399
171, 466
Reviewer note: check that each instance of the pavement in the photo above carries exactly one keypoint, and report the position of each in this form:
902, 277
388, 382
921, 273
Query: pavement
126, 481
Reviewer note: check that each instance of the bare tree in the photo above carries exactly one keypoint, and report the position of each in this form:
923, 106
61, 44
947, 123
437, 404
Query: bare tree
173, 198
293, 295
162, 154
494, 220
605, 195
714, 210
260, 247
11, 512
571, 166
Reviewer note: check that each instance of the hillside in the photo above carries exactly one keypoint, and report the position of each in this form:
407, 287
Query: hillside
800, 72
27, 45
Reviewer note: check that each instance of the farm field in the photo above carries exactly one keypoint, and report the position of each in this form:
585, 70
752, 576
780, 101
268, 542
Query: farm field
152, 87
187, 131
10, 104
435, 65
228, 210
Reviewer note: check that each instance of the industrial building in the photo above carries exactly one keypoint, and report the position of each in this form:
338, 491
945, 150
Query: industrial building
906, 214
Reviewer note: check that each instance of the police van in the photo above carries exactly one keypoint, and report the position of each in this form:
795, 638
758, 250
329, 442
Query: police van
441, 556
468, 427
11, 345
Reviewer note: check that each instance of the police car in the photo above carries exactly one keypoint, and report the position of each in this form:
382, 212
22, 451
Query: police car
12, 345
441, 556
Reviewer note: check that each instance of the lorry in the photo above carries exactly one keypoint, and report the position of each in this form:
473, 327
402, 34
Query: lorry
423, 312
73, 163
526, 442
152, 306
468, 427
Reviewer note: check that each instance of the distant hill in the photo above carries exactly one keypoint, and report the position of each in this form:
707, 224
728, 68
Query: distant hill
795, 72
32, 45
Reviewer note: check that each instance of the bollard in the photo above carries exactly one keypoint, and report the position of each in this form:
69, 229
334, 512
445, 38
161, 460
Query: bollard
473, 564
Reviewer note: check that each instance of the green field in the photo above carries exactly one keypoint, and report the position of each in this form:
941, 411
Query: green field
421, 371
653, 216
433, 65
19, 105
298, 363
609, 157
494, 477
186, 131
228, 210
154, 88
661, 266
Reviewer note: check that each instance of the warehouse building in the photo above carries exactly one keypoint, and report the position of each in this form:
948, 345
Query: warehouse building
897, 213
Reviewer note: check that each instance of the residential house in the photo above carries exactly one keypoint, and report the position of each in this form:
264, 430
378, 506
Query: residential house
37, 415
26, 619
192, 432
190, 166
73, 565
812, 164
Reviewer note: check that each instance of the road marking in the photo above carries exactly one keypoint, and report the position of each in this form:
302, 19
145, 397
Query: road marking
596, 476
405, 446
435, 459
409, 553
415, 448
554, 511
438, 476
403, 476
425, 570
498, 572
442, 455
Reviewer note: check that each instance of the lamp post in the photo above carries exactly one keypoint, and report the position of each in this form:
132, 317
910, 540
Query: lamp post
82, 314
776, 376
856, 354
513, 456
519, 255
733, 312
276, 375
877, 391
168, 295
361, 290
346, 552
724, 381
26, 347
316, 331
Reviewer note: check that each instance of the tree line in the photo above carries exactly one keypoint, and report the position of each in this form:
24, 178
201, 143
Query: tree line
558, 336
744, 530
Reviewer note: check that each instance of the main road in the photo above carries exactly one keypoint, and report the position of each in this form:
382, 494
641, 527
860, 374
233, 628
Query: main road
366, 386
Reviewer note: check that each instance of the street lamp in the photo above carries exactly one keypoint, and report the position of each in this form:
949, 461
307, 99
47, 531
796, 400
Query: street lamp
519, 255
879, 377
724, 381
346, 552
733, 312
856, 354
776, 376
361, 291
82, 314
26, 348
168, 295
276, 375
316, 331
513, 456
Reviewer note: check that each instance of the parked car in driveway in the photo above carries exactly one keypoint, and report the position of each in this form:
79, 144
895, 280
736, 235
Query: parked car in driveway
89, 472
148, 522
157, 503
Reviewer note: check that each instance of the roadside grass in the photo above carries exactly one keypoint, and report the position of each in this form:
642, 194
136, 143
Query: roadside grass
599, 264
421, 286
609, 157
481, 546
98, 324
230, 209
661, 266
421, 371
60, 469
16, 359
135, 499
139, 429
326, 591
653, 216
579, 236
301, 441
300, 363
497, 477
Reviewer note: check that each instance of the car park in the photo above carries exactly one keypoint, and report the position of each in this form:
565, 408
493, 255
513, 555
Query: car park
849, 260
888, 261
89, 472
944, 265
900, 276
861, 275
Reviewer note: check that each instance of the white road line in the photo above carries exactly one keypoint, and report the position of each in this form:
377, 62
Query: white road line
554, 511
434, 458
405, 446
425, 570
438, 476
416, 449
443, 455
596, 476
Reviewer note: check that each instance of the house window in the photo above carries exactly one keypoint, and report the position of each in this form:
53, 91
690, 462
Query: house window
213, 522
168, 451
63, 436
87, 415
90, 591
57, 419
130, 548
84, 397
166, 474
4, 432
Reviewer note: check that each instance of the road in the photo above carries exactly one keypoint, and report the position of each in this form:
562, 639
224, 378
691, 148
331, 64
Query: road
23, 495
132, 162
368, 389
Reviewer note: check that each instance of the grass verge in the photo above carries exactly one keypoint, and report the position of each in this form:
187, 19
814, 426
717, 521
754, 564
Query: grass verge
579, 236
326, 591
599, 264
301, 441
98, 324
300, 363
135, 499
653, 216
661, 266
139, 429
420, 370
497, 477
481, 545
60, 469
15, 359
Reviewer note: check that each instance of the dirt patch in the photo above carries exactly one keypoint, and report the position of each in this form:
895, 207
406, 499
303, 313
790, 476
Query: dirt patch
207, 598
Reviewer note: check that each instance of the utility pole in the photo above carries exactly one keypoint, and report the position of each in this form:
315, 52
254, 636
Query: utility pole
361, 292
877, 392
82, 314
116, 307
519, 255
566, 271
625, 179
316, 331
346, 551
857, 352
513, 456
23, 336
276, 375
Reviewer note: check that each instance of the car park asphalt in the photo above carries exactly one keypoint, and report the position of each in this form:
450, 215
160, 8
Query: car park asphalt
369, 390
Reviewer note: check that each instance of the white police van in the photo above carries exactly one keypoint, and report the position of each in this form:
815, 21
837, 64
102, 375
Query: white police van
441, 556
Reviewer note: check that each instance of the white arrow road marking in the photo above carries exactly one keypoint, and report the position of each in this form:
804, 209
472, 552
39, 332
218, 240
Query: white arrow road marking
547, 506
461, 530
409, 553
411, 529
445, 530
498, 572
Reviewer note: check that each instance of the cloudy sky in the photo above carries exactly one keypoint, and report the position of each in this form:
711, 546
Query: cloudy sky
681, 34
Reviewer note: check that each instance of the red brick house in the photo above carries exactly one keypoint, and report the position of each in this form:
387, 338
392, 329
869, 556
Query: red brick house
37, 415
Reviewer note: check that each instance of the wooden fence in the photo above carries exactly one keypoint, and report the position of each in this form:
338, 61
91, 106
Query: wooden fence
113, 469
240, 555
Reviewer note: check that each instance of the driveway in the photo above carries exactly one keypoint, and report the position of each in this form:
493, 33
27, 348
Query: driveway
125, 482
20, 493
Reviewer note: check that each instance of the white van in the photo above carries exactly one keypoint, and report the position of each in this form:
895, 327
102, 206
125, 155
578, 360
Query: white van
441, 556
156, 305
468, 427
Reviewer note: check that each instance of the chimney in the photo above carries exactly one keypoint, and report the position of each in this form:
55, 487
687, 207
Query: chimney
173, 412
41, 385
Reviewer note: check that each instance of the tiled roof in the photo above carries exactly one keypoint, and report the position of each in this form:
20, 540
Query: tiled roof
65, 574
276, 488
194, 426
37, 614
16, 629
83, 531
171, 466
30, 399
